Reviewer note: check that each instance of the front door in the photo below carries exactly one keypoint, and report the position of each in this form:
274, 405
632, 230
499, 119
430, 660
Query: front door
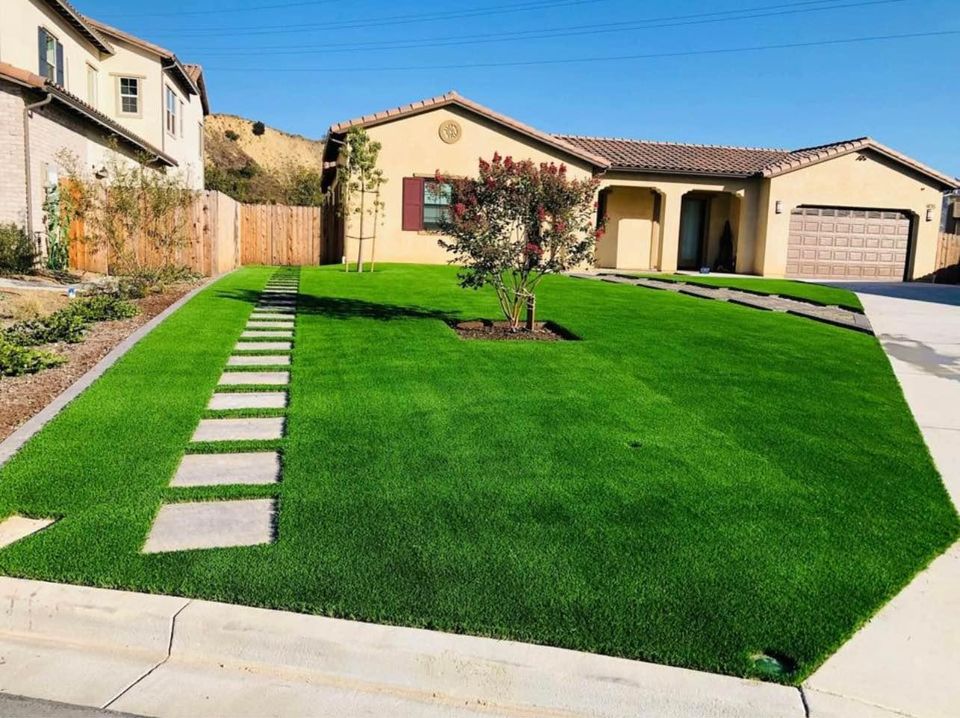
693, 228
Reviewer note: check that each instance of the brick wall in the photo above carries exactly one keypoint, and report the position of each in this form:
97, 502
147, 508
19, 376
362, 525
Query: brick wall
13, 203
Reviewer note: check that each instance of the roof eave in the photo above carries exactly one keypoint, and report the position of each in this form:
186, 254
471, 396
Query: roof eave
452, 98
81, 25
107, 124
860, 145
681, 172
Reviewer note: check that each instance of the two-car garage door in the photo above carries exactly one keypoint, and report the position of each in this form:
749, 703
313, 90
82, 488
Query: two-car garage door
837, 243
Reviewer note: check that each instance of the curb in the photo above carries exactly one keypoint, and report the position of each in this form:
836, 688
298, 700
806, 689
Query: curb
179, 657
13, 443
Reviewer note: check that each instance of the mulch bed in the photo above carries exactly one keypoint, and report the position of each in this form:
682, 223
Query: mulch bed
23, 396
486, 329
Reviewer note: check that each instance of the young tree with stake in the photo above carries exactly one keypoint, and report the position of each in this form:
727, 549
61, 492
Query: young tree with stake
363, 182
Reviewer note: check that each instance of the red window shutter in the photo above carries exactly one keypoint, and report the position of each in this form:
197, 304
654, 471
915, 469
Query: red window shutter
412, 204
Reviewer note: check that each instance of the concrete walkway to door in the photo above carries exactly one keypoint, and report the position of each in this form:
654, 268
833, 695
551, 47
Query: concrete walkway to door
907, 658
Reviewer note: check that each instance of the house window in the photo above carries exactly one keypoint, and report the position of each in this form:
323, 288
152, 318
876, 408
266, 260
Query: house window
93, 86
129, 95
182, 113
51, 57
436, 203
171, 111
426, 203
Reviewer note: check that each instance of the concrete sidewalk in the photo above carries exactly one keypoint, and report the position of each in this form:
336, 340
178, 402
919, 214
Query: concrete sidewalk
907, 658
165, 656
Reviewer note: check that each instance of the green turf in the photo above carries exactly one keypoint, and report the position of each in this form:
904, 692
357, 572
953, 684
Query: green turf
804, 291
692, 483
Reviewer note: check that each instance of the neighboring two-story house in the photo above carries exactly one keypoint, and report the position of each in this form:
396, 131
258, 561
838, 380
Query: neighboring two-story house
68, 82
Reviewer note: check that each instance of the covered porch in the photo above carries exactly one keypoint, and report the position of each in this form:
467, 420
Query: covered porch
666, 226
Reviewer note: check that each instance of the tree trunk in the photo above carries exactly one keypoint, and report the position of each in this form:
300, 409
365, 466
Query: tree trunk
363, 210
531, 312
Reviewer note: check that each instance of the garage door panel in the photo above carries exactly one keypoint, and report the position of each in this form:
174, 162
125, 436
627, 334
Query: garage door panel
833, 242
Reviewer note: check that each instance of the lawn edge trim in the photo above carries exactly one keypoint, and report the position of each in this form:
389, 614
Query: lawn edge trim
13, 443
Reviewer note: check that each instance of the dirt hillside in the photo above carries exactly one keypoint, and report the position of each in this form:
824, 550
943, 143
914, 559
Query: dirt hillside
274, 150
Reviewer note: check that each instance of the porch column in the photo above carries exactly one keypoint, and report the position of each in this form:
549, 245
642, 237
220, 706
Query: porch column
746, 250
670, 230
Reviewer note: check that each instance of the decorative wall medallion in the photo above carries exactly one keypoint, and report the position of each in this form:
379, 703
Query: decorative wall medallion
450, 131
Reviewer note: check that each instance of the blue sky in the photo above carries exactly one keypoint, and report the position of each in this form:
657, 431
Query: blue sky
299, 65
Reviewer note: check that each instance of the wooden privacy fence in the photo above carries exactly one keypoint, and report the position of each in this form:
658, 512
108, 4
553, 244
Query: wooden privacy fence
947, 268
221, 234
275, 234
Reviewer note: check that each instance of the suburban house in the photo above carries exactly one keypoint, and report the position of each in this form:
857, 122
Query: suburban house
849, 209
68, 82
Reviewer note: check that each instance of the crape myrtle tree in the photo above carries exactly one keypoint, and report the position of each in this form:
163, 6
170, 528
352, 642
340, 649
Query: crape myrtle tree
515, 223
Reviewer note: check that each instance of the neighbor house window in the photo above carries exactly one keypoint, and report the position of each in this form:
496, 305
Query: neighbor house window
182, 113
129, 95
51, 57
93, 86
171, 111
426, 203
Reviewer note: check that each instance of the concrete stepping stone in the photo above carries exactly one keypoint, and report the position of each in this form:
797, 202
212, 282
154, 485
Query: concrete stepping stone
258, 429
212, 524
13, 528
255, 333
262, 467
252, 378
273, 309
265, 346
257, 324
259, 360
248, 400
267, 316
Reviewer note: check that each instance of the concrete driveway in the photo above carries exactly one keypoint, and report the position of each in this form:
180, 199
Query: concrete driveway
907, 658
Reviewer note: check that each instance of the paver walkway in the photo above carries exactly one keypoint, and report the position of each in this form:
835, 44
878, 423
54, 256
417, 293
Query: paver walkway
907, 658
254, 366
768, 302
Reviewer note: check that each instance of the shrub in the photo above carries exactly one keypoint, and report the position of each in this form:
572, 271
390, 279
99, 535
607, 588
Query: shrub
231, 135
17, 360
17, 253
259, 128
70, 323
102, 308
61, 326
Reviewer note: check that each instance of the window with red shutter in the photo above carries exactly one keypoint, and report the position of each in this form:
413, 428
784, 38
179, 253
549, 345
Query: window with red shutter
412, 204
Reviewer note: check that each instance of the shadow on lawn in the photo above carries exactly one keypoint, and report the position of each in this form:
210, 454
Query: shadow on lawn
343, 308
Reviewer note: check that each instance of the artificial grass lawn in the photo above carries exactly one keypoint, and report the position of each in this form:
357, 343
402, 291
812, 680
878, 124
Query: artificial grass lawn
692, 483
804, 291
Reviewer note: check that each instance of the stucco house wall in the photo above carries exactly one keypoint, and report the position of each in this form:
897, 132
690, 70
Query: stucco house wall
412, 147
861, 180
644, 184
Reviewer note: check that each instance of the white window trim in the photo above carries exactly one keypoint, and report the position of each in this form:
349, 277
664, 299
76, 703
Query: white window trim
169, 92
140, 94
95, 72
56, 41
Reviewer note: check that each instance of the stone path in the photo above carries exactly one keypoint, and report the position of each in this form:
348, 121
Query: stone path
834, 315
255, 380
13, 528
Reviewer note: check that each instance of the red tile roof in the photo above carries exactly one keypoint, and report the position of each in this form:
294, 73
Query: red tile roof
723, 161
453, 98
659, 157
672, 157
812, 155
26, 78
81, 24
